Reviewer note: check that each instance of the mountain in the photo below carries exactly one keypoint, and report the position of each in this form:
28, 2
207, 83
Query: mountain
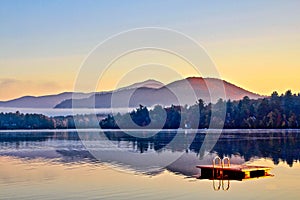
147, 93
185, 91
147, 84
48, 101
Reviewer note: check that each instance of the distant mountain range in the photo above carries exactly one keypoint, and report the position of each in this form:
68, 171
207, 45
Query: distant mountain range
47, 101
178, 92
147, 93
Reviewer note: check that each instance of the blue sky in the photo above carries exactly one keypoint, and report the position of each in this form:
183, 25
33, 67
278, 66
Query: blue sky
40, 38
68, 27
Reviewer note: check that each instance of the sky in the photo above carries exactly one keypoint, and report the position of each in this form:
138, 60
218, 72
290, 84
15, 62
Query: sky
254, 44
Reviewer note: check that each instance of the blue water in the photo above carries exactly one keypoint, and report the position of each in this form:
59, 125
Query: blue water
91, 164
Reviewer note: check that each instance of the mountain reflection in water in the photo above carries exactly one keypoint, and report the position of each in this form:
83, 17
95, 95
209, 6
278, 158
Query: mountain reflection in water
67, 147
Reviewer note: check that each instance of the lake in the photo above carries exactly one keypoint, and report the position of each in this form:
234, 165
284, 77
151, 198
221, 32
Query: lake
92, 164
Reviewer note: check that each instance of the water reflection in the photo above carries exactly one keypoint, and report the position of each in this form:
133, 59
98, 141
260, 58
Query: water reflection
240, 145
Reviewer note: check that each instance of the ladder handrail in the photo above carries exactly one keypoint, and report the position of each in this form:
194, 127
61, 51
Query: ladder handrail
228, 162
214, 161
219, 185
221, 163
228, 185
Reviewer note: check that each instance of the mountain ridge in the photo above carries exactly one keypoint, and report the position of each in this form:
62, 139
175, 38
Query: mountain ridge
150, 83
45, 101
147, 92
177, 92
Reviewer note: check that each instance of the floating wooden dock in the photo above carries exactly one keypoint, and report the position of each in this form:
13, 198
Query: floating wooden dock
225, 171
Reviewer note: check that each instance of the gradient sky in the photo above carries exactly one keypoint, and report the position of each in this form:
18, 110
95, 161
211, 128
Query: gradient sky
255, 44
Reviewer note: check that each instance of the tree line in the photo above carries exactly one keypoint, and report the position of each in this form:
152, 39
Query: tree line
271, 112
276, 111
19, 120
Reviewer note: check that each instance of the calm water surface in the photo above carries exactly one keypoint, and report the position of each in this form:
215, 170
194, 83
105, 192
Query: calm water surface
143, 165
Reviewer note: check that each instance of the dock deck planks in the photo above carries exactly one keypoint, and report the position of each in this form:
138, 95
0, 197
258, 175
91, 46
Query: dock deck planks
235, 172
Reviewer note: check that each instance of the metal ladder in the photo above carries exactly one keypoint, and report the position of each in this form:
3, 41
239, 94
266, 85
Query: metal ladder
217, 161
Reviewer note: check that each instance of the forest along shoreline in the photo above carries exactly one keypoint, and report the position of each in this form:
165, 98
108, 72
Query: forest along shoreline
274, 112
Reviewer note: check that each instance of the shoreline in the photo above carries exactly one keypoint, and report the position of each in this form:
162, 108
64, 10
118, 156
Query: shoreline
238, 130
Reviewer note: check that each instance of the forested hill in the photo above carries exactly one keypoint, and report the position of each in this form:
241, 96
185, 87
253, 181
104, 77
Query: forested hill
273, 112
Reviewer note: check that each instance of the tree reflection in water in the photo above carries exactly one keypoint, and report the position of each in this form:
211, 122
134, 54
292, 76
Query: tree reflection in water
278, 145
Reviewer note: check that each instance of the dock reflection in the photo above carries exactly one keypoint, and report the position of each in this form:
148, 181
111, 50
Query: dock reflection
223, 172
240, 145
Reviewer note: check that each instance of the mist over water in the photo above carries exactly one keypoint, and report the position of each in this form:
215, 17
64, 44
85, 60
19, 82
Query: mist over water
52, 112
